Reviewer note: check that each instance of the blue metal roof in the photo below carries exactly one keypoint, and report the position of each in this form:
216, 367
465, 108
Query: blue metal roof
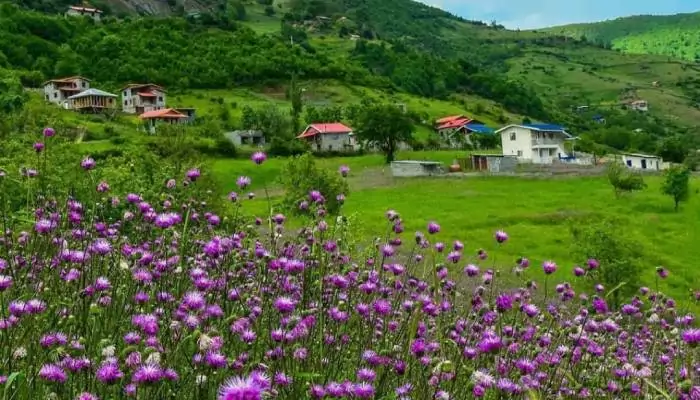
545, 127
479, 128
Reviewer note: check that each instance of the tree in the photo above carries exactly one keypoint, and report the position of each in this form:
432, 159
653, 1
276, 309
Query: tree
676, 184
12, 95
295, 96
301, 175
623, 180
384, 126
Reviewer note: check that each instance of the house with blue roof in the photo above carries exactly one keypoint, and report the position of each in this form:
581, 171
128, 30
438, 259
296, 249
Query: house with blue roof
535, 143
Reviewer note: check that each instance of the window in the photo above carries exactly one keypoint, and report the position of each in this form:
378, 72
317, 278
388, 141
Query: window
125, 93
160, 98
520, 153
83, 84
126, 102
55, 95
512, 136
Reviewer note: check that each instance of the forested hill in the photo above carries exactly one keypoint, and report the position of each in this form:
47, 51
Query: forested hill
673, 35
389, 46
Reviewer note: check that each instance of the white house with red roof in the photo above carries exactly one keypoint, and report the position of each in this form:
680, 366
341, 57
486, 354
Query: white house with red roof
139, 98
59, 90
80, 11
333, 136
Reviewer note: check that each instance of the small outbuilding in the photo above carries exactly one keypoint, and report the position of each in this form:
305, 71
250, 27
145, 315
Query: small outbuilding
493, 162
415, 168
642, 161
246, 137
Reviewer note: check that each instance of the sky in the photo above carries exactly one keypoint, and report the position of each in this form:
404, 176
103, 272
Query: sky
531, 14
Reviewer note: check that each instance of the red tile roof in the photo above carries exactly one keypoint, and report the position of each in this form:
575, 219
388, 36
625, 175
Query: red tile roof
166, 113
315, 129
448, 119
454, 123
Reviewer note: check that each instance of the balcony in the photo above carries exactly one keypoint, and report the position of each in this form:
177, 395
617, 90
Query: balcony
546, 142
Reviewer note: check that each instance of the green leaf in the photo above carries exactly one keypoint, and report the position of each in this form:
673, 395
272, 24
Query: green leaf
658, 389
10, 381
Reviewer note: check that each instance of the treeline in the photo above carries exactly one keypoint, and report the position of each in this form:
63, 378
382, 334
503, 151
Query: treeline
218, 52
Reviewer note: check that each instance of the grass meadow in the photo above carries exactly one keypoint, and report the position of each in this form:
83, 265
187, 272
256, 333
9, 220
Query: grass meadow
537, 213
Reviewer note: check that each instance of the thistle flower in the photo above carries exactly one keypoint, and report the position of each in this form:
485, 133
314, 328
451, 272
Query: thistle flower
344, 170
193, 174
549, 267
52, 373
258, 157
49, 132
240, 389
501, 236
88, 163
662, 272
38, 147
243, 182
433, 228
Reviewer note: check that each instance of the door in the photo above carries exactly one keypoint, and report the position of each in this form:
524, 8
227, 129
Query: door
644, 164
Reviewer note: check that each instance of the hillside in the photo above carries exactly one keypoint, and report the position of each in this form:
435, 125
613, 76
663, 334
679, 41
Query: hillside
670, 35
245, 52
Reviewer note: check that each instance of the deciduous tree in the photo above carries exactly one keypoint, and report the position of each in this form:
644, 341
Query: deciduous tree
384, 126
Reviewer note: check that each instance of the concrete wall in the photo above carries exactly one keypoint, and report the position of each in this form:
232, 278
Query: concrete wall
53, 93
502, 164
76, 13
334, 142
414, 168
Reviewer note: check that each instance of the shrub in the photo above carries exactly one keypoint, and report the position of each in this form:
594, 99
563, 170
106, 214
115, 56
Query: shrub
624, 180
301, 175
617, 256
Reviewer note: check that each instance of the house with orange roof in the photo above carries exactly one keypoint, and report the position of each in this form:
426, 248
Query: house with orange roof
165, 115
333, 136
454, 131
139, 98
80, 11
59, 90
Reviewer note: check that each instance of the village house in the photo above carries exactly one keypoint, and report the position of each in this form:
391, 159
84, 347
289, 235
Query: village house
59, 90
535, 143
638, 105
93, 101
79, 11
166, 115
330, 137
141, 98
642, 161
455, 131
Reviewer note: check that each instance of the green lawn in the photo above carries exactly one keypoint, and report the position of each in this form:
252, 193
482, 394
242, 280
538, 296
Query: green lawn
536, 213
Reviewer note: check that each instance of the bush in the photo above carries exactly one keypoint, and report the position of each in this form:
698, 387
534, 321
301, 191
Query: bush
618, 256
284, 148
301, 175
225, 147
676, 184
624, 180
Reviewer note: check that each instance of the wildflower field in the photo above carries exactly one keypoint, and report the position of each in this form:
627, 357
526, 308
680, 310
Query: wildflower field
135, 279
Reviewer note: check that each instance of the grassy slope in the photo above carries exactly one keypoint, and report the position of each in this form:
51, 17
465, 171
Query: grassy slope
673, 35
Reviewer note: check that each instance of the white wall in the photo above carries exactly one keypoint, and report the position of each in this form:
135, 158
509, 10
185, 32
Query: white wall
131, 99
652, 163
521, 147
335, 142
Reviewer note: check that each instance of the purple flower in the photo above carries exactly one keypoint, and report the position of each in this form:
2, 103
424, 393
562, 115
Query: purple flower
147, 373
233, 197
88, 163
87, 396
193, 174
344, 170
691, 336
549, 267
258, 157
109, 373
501, 236
284, 305
592, 263
49, 132
240, 389
433, 228
578, 271
243, 182
52, 373
504, 302
662, 272
38, 147
471, 270
363, 390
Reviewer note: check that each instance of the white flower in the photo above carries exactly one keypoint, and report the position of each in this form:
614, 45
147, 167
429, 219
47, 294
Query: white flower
201, 379
153, 358
108, 351
204, 343
19, 353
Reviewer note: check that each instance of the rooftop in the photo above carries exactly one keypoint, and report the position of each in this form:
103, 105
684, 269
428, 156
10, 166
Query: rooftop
166, 113
421, 162
92, 92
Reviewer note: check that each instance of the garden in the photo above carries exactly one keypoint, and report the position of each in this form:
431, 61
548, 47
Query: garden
131, 277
